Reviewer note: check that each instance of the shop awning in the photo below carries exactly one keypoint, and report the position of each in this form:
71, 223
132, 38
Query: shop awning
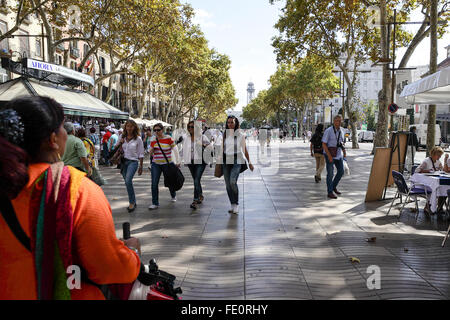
434, 89
74, 102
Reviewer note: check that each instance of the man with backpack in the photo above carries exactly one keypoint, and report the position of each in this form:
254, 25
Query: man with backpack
317, 152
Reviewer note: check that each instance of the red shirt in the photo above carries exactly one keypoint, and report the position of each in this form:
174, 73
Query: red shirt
106, 137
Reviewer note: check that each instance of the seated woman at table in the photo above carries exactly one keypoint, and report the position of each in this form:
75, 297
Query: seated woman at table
432, 163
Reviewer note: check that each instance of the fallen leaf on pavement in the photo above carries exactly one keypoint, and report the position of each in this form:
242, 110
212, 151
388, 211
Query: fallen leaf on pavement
355, 260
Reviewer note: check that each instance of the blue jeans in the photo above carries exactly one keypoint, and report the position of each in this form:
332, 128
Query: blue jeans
197, 172
231, 174
128, 171
333, 183
105, 153
156, 170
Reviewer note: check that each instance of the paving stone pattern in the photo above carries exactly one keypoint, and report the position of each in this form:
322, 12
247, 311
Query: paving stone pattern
288, 241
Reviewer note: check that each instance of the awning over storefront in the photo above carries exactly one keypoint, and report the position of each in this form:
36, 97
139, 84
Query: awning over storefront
74, 102
150, 123
434, 89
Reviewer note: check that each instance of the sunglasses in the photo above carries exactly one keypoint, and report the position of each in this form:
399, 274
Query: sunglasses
157, 130
190, 127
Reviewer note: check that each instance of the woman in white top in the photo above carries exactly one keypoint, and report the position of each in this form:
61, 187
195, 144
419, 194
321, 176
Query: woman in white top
432, 163
233, 152
133, 154
194, 146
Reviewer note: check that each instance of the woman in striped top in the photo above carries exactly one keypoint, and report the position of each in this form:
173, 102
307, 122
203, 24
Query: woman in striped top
161, 143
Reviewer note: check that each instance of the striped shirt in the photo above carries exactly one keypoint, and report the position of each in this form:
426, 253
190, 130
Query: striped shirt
167, 144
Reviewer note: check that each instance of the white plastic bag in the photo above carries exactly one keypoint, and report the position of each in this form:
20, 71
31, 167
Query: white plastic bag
346, 168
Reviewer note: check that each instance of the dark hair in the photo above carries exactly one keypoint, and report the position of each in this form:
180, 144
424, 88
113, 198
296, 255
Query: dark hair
236, 123
41, 116
412, 129
158, 125
81, 133
319, 128
92, 130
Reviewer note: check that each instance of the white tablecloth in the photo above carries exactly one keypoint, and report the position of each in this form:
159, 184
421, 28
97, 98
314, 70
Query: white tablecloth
437, 190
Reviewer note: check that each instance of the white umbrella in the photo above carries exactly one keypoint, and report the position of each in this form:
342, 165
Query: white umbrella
138, 120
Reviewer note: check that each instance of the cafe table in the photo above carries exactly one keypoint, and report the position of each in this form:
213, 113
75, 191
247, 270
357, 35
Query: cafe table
437, 182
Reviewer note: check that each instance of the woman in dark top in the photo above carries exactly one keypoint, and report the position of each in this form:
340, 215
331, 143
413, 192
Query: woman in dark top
317, 152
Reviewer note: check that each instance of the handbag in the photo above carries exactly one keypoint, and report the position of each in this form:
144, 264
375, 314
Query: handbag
333, 151
117, 155
173, 177
97, 177
218, 171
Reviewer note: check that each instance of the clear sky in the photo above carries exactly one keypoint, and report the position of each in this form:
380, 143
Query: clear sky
243, 30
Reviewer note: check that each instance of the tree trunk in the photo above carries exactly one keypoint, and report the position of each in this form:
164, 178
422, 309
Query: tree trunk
381, 136
433, 68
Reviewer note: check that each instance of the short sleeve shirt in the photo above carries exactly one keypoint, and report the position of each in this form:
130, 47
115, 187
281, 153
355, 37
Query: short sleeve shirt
330, 137
75, 150
427, 164
167, 144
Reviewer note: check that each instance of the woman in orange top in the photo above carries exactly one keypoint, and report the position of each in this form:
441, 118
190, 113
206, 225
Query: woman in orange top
53, 217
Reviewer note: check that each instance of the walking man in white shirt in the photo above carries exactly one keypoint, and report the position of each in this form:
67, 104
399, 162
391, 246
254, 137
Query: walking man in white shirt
334, 153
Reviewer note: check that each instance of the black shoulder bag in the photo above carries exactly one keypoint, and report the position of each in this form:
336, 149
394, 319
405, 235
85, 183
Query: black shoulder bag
173, 177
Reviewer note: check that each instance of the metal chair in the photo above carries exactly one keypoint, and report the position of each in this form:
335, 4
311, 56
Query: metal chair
448, 205
403, 189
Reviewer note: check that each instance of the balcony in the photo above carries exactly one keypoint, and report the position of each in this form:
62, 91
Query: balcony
60, 47
74, 52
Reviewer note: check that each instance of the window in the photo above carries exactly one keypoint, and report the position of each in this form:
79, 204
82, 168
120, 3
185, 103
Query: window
85, 50
24, 44
102, 65
38, 51
4, 47
58, 59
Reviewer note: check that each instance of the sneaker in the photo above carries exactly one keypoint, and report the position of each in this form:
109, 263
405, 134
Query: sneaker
316, 178
174, 199
236, 209
153, 207
232, 208
194, 205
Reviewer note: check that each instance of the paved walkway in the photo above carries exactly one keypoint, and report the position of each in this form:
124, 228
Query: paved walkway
289, 241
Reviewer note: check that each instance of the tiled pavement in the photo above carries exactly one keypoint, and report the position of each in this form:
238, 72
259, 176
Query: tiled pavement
289, 241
